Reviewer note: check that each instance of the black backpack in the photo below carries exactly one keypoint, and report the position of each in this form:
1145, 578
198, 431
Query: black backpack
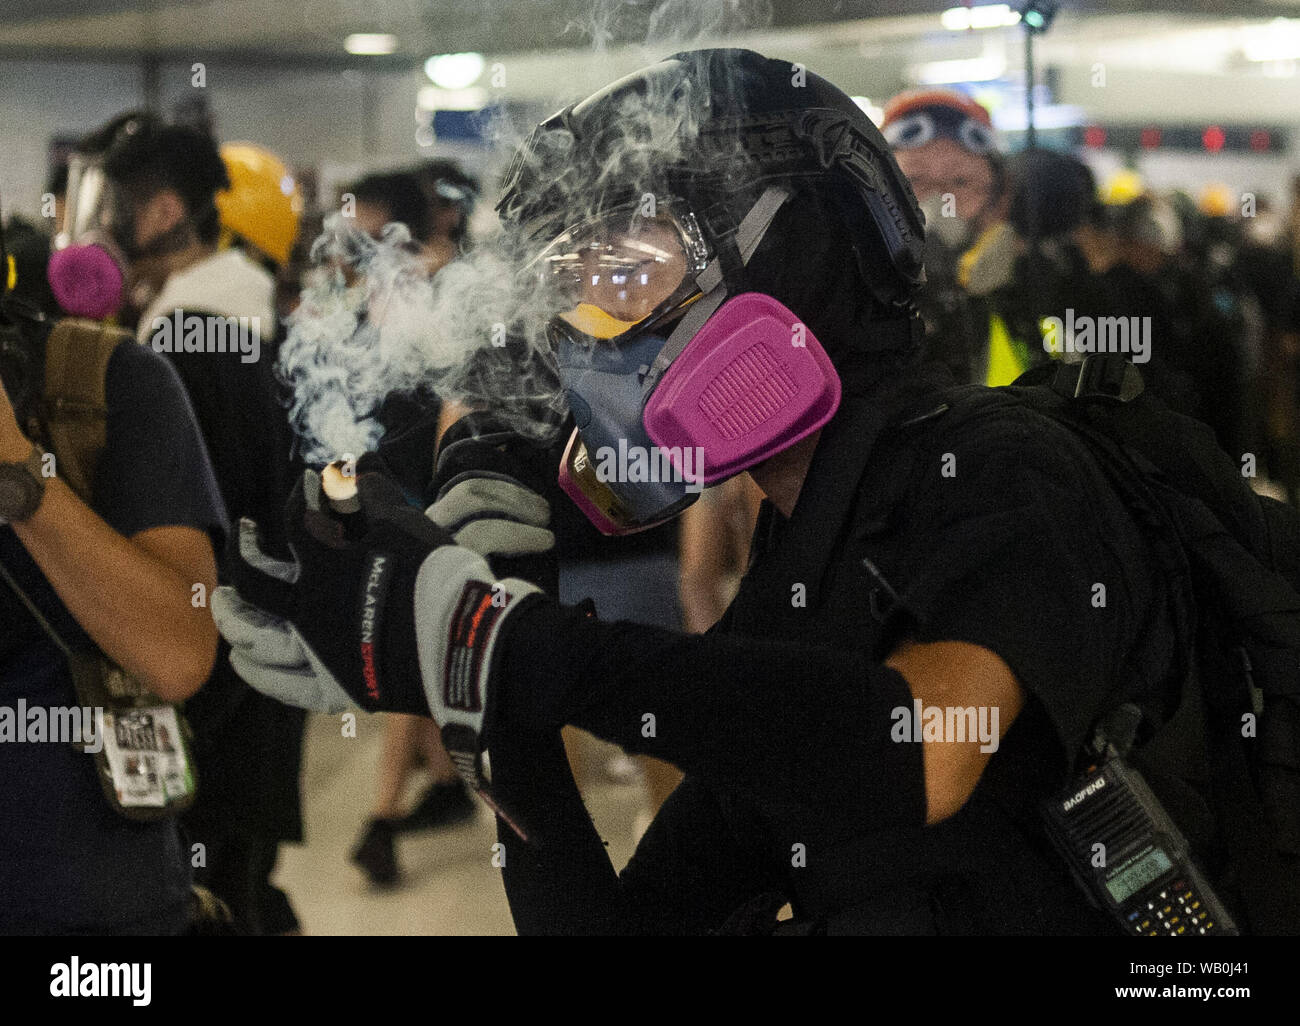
1239, 714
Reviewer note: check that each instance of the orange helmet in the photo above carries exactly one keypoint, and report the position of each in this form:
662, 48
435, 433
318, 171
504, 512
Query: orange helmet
263, 204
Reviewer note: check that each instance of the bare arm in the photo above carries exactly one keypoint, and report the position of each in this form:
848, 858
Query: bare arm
132, 596
956, 673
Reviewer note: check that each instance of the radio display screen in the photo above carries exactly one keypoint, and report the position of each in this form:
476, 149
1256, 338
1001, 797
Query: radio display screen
1136, 876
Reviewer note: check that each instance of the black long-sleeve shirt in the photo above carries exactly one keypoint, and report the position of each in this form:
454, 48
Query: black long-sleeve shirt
994, 528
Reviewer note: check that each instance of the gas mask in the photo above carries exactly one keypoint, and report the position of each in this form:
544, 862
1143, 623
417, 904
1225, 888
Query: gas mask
88, 268
673, 384
91, 263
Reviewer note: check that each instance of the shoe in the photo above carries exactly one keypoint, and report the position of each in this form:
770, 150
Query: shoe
445, 803
376, 853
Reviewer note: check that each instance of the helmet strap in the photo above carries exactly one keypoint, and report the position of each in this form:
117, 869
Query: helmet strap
724, 273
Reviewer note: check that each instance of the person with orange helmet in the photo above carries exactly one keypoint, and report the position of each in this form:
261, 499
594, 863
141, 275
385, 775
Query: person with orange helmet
946, 147
945, 144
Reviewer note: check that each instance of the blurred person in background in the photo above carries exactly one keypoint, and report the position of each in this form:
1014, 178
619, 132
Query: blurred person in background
29, 243
249, 747
265, 213
450, 192
945, 144
1138, 246
102, 563
1265, 266
1280, 366
434, 202
144, 203
1050, 195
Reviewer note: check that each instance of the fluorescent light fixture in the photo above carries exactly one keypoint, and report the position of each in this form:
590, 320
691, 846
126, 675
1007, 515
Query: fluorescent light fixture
971, 69
1014, 118
876, 114
433, 98
370, 44
1278, 40
454, 70
986, 16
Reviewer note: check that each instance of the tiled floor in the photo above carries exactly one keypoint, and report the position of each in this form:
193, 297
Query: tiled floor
450, 885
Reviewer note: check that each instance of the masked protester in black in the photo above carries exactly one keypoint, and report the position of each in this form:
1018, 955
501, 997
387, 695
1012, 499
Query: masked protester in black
901, 568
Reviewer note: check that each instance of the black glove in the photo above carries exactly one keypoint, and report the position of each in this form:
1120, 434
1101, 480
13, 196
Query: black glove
348, 594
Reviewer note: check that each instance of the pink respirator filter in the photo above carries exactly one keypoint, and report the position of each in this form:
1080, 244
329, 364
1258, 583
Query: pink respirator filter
753, 381
86, 281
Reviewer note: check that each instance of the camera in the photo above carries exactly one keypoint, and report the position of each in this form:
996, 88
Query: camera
23, 332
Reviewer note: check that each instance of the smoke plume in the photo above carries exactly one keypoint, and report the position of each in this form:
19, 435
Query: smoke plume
373, 323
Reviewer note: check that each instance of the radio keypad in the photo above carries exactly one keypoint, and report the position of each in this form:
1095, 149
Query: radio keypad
1175, 911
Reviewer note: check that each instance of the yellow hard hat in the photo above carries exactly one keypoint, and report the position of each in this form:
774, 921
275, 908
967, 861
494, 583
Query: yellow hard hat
263, 204
1215, 200
1122, 188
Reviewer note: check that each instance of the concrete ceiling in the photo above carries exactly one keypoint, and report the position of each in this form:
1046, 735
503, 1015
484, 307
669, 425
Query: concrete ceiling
311, 32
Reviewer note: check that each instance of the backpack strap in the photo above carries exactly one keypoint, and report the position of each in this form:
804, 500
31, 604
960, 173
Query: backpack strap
75, 409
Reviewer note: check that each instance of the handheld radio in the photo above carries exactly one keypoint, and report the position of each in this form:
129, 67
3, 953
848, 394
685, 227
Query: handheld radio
1147, 880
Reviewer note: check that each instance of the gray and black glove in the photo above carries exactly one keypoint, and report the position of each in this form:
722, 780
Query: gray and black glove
388, 614
491, 488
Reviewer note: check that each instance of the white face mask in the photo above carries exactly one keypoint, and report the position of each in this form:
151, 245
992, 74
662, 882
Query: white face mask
952, 231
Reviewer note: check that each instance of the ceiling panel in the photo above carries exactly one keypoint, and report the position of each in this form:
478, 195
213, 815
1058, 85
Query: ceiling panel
311, 32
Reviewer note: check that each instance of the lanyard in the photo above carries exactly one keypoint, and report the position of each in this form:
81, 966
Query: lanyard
44, 624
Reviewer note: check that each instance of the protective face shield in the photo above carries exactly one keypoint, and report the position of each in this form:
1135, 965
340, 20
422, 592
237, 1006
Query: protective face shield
659, 416
88, 268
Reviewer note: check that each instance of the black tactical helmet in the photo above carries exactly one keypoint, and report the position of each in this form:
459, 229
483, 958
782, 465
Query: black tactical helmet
712, 129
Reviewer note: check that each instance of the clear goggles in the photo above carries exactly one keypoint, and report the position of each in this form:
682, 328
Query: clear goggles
621, 271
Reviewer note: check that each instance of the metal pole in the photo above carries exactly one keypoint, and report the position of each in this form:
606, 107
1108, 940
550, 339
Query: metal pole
151, 82
1030, 137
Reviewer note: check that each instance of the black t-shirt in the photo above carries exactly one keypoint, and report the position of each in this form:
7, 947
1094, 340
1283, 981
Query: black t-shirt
68, 862
999, 530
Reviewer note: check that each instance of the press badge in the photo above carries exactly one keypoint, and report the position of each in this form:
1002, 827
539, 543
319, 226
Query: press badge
145, 766
146, 760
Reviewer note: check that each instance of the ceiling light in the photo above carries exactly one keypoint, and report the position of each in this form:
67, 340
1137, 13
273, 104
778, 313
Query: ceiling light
973, 69
454, 70
370, 44
1278, 40
986, 16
